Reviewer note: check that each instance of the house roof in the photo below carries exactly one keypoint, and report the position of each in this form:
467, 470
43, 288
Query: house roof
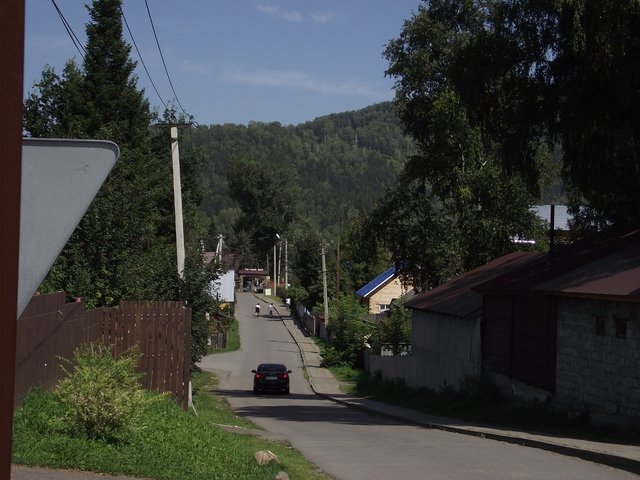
377, 282
605, 263
617, 274
228, 260
457, 298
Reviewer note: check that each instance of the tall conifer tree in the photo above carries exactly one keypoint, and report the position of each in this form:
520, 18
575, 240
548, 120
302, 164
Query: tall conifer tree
115, 253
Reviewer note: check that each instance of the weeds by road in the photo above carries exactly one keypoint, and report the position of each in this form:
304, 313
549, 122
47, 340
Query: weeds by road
172, 444
480, 404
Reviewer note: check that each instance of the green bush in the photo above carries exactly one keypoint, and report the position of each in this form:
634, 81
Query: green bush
100, 396
347, 331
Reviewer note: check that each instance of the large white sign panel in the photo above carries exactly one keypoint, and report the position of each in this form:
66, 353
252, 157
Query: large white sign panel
60, 178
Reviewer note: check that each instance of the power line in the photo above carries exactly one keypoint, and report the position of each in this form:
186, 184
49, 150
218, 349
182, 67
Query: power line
162, 57
141, 60
76, 41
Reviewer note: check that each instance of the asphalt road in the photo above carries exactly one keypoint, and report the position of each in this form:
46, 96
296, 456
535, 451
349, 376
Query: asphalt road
349, 444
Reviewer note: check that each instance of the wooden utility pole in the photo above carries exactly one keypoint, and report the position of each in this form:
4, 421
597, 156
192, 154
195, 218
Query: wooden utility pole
279, 262
338, 271
324, 288
11, 80
286, 266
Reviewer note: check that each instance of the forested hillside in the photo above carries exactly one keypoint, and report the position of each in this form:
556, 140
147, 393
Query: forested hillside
341, 162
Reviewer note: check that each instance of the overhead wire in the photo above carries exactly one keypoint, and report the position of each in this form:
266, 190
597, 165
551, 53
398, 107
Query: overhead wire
74, 38
162, 57
133, 40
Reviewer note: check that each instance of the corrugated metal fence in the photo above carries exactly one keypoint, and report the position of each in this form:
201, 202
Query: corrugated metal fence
50, 329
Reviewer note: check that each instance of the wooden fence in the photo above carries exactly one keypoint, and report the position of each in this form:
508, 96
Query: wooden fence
218, 340
50, 329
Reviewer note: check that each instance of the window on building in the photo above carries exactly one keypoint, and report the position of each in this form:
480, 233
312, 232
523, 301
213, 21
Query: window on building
621, 327
599, 324
384, 308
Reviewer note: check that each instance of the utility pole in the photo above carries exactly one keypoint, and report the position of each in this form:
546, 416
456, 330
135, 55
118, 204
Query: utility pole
219, 248
338, 271
177, 200
177, 192
275, 270
286, 266
324, 288
279, 262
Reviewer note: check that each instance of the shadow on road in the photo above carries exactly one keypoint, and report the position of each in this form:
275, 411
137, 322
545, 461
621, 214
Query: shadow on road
303, 408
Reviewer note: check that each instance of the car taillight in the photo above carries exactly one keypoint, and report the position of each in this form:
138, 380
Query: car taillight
283, 376
258, 375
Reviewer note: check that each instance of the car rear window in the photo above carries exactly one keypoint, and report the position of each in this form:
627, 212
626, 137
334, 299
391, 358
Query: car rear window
272, 368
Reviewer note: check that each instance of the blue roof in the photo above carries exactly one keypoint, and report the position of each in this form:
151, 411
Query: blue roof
377, 282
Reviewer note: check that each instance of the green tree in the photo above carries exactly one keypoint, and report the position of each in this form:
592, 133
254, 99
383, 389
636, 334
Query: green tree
526, 73
469, 187
118, 235
267, 197
348, 332
394, 330
306, 266
596, 97
362, 256
124, 246
194, 292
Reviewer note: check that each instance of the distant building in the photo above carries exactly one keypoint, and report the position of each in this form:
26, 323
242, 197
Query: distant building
382, 290
222, 288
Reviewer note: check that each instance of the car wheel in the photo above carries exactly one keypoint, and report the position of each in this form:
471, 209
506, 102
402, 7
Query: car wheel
255, 391
286, 391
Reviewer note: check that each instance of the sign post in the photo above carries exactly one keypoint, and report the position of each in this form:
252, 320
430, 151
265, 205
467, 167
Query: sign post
11, 73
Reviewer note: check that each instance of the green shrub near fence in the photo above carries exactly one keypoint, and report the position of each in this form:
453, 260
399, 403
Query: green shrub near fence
101, 397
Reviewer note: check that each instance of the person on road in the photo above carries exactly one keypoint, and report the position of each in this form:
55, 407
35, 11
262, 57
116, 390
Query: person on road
271, 309
257, 309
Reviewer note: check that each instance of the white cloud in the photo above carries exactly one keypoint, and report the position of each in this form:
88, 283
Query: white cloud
295, 15
200, 68
322, 17
276, 11
302, 81
47, 42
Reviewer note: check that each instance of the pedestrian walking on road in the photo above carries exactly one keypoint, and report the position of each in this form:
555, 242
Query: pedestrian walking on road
257, 309
271, 309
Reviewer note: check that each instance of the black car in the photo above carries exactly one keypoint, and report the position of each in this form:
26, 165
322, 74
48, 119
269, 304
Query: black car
272, 377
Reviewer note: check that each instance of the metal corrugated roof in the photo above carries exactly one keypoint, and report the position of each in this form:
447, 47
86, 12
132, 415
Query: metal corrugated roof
617, 274
377, 282
457, 298
603, 264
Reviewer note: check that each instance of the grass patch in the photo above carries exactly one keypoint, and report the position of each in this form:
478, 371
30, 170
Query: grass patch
213, 408
348, 377
168, 444
233, 339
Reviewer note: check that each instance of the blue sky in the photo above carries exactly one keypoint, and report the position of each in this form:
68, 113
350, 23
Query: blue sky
235, 61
